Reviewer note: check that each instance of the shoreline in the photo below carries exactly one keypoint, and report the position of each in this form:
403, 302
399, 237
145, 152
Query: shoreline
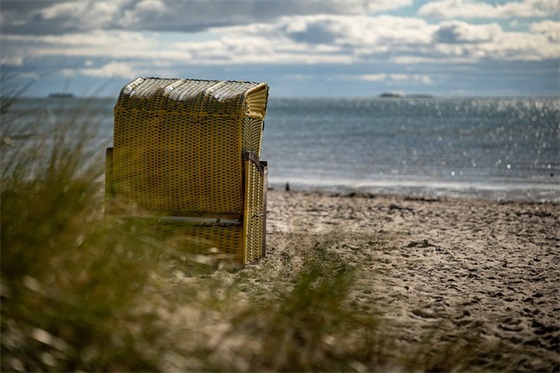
518, 192
468, 267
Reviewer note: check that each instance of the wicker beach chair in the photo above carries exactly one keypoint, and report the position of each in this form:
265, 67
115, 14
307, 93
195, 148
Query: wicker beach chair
186, 155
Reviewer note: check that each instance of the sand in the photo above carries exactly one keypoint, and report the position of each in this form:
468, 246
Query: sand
436, 270
488, 269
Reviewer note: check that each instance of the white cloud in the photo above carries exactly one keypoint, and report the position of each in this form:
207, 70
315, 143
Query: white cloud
111, 70
393, 79
63, 10
550, 29
457, 41
117, 39
383, 6
147, 12
517, 46
374, 77
476, 9
157, 6
452, 32
69, 73
31, 76
83, 15
102, 44
13, 60
425, 79
330, 37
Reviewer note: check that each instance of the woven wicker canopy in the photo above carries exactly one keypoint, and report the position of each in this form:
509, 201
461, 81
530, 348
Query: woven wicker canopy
196, 96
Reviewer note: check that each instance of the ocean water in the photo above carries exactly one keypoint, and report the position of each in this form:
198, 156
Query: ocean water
496, 148
499, 148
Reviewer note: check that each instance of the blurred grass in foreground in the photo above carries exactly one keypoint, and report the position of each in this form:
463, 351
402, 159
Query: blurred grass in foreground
84, 293
71, 283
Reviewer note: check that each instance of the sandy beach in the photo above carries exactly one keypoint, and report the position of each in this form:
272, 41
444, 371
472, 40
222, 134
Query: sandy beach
487, 269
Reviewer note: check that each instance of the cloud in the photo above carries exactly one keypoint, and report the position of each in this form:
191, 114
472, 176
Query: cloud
398, 78
475, 9
374, 77
519, 46
550, 29
374, 7
101, 12
13, 60
193, 15
313, 39
30, 75
331, 38
355, 39
63, 16
101, 44
111, 70
457, 32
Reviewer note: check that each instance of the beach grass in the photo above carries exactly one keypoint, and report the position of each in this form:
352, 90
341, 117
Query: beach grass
85, 292
71, 281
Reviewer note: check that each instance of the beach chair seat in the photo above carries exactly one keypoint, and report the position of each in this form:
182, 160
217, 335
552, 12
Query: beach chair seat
186, 154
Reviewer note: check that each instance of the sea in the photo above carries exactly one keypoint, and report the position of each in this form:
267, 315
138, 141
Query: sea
490, 148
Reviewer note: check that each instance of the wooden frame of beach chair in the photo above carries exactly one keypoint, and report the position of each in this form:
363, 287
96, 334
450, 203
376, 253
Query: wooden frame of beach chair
186, 155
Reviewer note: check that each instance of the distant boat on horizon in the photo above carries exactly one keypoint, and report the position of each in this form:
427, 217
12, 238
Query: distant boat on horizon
391, 95
61, 95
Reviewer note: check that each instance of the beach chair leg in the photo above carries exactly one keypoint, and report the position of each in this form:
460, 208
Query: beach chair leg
109, 188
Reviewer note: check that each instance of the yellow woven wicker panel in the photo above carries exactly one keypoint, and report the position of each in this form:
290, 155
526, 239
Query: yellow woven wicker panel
220, 177
136, 158
179, 143
170, 165
252, 135
225, 241
254, 213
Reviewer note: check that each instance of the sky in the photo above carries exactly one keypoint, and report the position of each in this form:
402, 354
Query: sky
302, 48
